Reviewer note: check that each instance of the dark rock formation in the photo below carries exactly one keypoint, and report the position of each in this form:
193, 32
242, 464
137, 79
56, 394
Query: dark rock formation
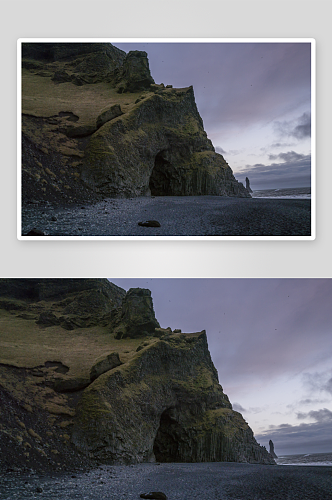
109, 114
134, 74
248, 188
159, 148
105, 365
131, 137
157, 495
120, 390
35, 232
149, 223
272, 449
84, 62
136, 318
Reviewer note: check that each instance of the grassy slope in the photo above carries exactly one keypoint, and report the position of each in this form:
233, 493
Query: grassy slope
23, 343
42, 97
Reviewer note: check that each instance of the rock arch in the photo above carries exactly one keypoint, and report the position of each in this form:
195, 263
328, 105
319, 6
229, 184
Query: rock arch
166, 443
160, 183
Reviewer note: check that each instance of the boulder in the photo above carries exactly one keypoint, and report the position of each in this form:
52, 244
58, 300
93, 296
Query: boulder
150, 223
47, 319
157, 495
109, 114
35, 232
104, 365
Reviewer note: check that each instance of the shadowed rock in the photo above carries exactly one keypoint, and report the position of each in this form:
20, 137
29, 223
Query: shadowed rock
161, 402
135, 73
248, 188
136, 316
106, 364
148, 140
157, 495
272, 452
150, 223
109, 114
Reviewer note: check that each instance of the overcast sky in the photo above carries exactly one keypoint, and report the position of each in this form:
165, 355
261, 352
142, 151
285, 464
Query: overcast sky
255, 101
271, 342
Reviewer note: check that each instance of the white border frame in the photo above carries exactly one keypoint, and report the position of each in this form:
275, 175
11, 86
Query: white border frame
312, 41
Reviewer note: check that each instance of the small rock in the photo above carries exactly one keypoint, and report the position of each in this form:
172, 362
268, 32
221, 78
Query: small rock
40, 490
53, 218
35, 232
150, 223
157, 495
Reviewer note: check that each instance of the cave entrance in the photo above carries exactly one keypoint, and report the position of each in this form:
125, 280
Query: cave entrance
161, 176
166, 443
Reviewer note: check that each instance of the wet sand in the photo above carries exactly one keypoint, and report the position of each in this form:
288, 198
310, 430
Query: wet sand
178, 216
203, 481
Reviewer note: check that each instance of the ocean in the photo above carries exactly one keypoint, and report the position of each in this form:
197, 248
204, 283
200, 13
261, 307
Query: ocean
306, 459
284, 193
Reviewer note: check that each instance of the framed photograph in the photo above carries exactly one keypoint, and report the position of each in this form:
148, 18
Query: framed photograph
166, 139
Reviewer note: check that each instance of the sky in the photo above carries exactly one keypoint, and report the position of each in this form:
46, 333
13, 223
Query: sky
271, 342
254, 99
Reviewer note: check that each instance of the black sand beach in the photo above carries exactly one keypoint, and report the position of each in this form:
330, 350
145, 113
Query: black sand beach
178, 216
202, 481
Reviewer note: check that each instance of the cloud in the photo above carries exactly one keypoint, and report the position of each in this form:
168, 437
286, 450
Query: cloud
300, 128
323, 415
328, 386
303, 438
306, 402
239, 408
293, 170
289, 157
220, 150
315, 382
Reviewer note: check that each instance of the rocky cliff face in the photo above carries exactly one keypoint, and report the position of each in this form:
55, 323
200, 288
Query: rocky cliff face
95, 124
92, 395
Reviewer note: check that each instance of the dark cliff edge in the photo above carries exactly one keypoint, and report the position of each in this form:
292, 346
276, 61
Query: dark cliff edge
88, 376
95, 124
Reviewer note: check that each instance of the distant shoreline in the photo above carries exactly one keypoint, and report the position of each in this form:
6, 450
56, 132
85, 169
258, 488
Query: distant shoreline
177, 215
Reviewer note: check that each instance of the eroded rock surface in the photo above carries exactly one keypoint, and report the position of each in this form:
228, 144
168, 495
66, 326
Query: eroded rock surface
95, 124
115, 387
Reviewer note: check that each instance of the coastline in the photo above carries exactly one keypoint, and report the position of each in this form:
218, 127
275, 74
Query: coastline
194, 481
177, 215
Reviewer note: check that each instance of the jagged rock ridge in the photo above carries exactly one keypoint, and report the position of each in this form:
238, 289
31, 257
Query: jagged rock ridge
114, 387
95, 124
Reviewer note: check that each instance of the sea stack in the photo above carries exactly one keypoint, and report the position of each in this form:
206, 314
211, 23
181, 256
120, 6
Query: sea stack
248, 188
272, 452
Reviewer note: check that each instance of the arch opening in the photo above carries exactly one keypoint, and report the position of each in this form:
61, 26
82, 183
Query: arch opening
166, 444
161, 176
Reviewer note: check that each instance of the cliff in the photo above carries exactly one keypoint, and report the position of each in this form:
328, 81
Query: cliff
94, 124
88, 376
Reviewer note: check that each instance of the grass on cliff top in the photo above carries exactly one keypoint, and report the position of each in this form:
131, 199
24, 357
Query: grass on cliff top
23, 343
42, 97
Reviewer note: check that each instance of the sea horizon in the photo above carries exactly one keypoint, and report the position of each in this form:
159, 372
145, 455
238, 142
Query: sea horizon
316, 459
283, 193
